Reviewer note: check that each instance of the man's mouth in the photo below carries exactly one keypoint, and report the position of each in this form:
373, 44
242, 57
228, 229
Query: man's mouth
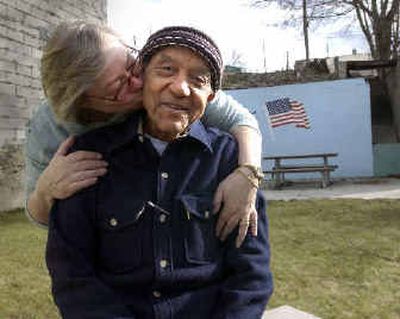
175, 107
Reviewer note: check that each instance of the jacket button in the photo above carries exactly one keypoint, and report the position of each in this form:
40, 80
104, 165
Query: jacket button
156, 294
163, 263
164, 175
113, 222
162, 218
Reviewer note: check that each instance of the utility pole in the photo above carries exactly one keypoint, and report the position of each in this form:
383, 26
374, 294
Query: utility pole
287, 60
327, 49
264, 57
305, 30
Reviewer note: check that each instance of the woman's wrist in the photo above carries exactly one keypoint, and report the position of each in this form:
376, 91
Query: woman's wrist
249, 176
255, 172
43, 190
38, 205
250, 145
40, 201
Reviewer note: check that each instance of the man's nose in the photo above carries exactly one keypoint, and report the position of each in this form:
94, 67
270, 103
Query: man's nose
180, 86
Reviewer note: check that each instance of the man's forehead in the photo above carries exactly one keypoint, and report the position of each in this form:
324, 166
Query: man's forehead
176, 53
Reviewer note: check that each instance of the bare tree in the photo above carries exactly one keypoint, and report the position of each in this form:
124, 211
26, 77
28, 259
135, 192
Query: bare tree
305, 12
236, 59
378, 20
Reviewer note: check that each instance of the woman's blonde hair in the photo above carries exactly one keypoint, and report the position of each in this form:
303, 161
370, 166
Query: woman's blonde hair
72, 60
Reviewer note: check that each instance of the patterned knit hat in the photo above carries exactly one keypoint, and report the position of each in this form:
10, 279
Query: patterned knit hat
190, 38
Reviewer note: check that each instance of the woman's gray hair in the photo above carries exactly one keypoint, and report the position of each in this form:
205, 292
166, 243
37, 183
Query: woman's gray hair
72, 60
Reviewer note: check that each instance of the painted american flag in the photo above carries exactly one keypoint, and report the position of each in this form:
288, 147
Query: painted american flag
286, 111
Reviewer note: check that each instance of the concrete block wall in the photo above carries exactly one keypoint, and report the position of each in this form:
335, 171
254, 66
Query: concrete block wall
24, 27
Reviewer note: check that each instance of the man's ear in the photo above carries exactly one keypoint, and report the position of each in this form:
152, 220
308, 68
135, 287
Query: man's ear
211, 97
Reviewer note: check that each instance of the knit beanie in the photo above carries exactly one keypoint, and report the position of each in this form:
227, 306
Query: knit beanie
190, 38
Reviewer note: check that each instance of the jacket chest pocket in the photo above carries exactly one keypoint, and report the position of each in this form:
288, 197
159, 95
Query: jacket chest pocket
200, 243
121, 236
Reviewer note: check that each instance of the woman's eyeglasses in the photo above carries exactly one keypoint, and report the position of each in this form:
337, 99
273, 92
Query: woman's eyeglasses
131, 68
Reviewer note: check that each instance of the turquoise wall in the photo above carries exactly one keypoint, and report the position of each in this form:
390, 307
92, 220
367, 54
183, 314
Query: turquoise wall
386, 159
340, 118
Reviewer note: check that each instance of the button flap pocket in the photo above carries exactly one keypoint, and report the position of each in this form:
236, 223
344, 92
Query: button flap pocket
122, 228
198, 205
201, 244
122, 216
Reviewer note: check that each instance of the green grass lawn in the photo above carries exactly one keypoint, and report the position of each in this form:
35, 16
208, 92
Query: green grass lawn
335, 259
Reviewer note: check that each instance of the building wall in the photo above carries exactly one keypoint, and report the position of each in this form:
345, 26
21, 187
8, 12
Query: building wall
24, 27
340, 118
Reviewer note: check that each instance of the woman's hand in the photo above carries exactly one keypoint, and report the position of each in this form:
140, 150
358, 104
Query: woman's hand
238, 197
64, 176
67, 174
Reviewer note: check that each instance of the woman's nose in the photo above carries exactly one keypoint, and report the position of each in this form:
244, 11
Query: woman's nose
135, 83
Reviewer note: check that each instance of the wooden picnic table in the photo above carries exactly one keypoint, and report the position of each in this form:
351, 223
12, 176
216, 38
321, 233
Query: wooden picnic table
279, 169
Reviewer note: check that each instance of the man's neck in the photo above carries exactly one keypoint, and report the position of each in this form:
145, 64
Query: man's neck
162, 136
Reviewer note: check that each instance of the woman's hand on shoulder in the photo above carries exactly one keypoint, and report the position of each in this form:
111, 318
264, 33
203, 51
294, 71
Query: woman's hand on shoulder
67, 174
236, 196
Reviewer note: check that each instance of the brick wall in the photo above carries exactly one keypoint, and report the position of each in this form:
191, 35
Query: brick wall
24, 26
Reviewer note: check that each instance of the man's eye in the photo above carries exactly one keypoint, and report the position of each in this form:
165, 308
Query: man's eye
165, 70
200, 80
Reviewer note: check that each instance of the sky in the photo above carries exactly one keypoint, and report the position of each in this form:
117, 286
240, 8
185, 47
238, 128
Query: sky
237, 28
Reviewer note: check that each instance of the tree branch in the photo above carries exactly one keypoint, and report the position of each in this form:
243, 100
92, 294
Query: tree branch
384, 6
362, 19
359, 4
375, 11
394, 9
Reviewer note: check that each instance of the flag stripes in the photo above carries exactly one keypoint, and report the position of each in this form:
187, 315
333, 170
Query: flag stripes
285, 111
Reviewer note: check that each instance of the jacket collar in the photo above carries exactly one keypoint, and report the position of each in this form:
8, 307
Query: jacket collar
132, 129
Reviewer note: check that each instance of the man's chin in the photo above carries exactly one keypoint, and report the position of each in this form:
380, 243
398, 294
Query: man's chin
171, 131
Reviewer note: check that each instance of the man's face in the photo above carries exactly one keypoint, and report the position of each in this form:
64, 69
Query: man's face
117, 88
176, 89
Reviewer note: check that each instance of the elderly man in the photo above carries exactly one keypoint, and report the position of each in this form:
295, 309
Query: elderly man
141, 242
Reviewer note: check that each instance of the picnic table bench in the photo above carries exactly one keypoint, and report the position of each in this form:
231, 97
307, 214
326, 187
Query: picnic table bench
279, 169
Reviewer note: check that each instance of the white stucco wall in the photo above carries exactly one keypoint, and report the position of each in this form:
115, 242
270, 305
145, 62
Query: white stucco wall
340, 117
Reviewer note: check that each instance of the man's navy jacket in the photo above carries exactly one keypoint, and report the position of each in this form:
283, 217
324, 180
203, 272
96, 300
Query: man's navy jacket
141, 242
